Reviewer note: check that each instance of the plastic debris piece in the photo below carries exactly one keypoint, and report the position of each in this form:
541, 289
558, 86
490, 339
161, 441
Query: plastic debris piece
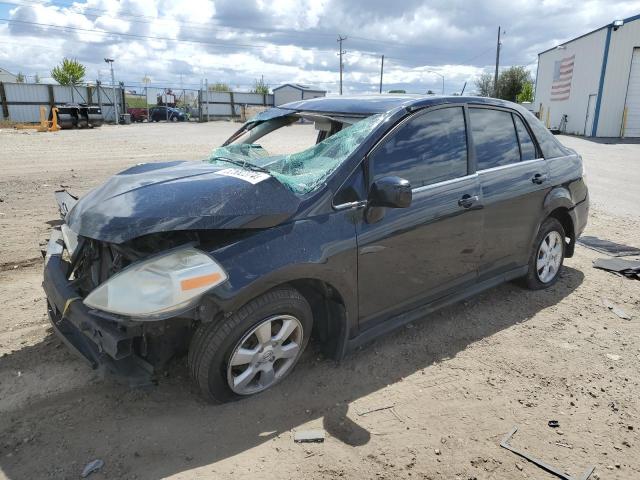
91, 467
628, 268
309, 436
554, 423
616, 310
610, 248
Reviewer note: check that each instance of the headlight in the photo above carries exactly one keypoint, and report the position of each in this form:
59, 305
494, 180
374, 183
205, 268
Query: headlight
70, 238
158, 286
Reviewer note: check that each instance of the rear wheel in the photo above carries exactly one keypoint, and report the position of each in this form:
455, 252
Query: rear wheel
547, 257
253, 349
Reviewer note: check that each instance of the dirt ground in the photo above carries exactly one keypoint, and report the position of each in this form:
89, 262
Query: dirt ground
431, 401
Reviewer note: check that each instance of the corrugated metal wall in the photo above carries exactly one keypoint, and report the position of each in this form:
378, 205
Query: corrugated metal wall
23, 100
226, 104
616, 79
587, 63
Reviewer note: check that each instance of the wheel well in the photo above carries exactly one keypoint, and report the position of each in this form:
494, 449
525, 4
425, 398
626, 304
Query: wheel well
562, 215
329, 314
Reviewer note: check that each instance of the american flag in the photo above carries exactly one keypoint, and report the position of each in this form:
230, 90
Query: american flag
562, 75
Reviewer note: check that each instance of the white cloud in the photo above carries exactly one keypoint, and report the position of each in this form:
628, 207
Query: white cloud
237, 41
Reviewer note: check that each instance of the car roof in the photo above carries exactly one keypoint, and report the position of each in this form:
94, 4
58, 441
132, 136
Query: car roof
382, 103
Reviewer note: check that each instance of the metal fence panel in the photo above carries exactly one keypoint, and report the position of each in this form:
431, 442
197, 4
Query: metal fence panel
25, 113
26, 92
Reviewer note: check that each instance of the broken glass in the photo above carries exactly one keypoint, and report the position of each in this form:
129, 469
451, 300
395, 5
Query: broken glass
304, 171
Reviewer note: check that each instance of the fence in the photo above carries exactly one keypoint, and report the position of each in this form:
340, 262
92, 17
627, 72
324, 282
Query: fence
229, 104
21, 102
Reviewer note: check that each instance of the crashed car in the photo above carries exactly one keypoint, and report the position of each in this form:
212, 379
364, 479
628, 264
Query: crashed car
403, 205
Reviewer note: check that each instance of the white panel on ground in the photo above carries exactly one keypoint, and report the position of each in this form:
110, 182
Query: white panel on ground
633, 97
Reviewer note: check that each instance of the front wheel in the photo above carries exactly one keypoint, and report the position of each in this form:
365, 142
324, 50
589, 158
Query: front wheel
254, 348
547, 257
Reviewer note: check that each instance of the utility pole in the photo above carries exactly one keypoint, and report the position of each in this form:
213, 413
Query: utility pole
206, 92
146, 80
113, 89
381, 70
495, 77
341, 53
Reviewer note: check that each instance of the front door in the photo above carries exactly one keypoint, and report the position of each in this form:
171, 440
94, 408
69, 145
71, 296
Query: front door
411, 255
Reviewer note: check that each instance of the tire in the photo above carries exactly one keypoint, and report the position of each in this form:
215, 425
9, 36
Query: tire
174, 118
551, 230
215, 344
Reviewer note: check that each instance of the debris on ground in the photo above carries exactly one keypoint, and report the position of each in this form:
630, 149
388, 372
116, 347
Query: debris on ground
545, 466
309, 436
628, 268
616, 309
608, 247
554, 423
367, 412
91, 467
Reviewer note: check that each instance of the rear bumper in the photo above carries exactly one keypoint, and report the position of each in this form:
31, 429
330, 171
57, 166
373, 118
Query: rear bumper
580, 215
104, 344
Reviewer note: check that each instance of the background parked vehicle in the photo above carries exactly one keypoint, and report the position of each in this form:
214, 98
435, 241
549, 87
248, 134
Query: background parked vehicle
137, 114
158, 114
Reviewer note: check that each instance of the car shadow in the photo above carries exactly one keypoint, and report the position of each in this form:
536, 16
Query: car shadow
169, 429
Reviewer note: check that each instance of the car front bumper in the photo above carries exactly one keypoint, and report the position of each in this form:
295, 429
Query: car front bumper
104, 344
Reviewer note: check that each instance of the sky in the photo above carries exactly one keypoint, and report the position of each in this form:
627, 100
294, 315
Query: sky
180, 43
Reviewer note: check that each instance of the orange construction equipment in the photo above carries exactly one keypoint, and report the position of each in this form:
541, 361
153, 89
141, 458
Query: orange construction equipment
45, 125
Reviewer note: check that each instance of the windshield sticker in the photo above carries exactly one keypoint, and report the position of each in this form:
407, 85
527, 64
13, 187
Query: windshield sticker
247, 175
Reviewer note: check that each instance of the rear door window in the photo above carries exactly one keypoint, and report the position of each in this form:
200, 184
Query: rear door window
494, 137
527, 147
429, 148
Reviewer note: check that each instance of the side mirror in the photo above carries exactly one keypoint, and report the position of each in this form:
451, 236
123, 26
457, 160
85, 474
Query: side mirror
392, 192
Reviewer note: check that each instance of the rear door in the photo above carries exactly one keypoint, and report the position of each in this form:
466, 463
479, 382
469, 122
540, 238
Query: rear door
514, 179
407, 256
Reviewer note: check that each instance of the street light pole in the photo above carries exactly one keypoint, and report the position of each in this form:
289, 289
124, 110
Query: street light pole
439, 74
495, 77
381, 71
113, 89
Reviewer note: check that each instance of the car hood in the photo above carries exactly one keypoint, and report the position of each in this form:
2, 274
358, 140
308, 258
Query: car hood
160, 197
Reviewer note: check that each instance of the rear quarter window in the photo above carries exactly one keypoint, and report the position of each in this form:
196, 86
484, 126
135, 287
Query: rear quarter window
550, 146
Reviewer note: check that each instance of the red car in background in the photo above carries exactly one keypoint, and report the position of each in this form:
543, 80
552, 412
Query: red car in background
138, 114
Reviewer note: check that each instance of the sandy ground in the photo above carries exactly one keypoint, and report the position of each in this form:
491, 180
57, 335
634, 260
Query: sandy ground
431, 401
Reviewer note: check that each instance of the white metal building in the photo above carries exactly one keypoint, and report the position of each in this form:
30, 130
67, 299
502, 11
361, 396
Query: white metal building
291, 92
6, 76
594, 80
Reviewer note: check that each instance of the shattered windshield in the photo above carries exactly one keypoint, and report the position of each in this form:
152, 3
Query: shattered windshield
304, 171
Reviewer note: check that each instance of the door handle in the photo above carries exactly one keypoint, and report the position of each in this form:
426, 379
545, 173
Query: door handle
468, 201
540, 178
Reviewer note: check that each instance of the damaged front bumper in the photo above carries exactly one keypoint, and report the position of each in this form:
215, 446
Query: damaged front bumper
104, 344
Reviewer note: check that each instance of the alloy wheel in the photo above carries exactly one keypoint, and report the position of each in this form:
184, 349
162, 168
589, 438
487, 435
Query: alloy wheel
265, 354
549, 257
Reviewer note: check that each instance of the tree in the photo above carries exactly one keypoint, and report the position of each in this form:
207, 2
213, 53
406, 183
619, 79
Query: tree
19, 78
219, 87
526, 94
397, 91
511, 82
36, 78
260, 87
69, 72
484, 85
